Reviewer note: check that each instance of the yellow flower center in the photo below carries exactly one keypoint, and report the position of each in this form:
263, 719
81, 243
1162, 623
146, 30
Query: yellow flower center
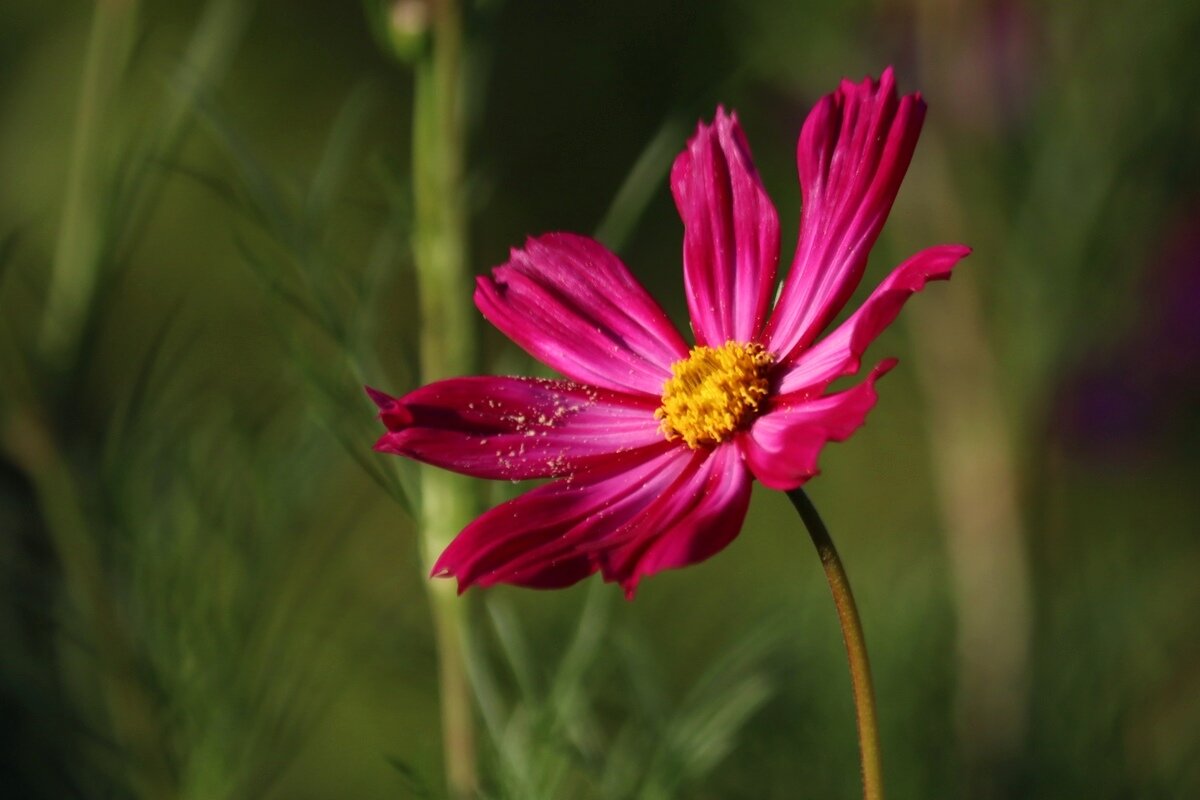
713, 392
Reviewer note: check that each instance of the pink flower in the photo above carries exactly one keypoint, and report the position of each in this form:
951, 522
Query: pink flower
655, 444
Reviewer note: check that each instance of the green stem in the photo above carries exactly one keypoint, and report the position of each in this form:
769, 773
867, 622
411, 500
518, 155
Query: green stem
80, 235
447, 348
856, 645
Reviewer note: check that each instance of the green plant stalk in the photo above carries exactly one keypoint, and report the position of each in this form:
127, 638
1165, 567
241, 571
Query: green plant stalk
80, 235
971, 434
856, 645
446, 349
133, 714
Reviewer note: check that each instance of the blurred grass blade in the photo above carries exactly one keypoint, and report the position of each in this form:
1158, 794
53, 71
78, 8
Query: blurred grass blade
569, 693
269, 276
295, 274
208, 56
701, 739
131, 406
77, 250
8, 252
343, 143
744, 655
512, 641
265, 200
639, 186
17, 385
214, 40
729, 692
376, 471
415, 784
488, 697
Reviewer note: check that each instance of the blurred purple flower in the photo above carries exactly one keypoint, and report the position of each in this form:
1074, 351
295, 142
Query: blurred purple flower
656, 444
1121, 399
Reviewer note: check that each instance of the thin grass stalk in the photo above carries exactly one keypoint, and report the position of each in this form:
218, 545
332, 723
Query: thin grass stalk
446, 348
80, 235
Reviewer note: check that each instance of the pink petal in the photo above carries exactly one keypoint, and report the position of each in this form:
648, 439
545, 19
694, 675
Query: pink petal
840, 352
573, 305
694, 519
782, 446
545, 538
731, 237
853, 152
517, 428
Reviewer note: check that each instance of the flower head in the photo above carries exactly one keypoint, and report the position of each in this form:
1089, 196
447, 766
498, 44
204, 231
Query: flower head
655, 444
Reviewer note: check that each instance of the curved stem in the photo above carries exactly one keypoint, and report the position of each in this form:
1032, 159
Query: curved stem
856, 645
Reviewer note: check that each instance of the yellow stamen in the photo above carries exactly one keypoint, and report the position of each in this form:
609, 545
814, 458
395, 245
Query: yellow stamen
713, 392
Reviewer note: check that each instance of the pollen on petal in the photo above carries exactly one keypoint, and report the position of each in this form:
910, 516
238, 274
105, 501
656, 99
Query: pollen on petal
714, 392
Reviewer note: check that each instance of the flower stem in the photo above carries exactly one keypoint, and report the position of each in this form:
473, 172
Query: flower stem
856, 645
447, 348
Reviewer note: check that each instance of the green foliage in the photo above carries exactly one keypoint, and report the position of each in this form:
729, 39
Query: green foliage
240, 595
287, 245
553, 732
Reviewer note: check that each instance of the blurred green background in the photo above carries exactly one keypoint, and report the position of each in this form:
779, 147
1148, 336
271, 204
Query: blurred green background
200, 580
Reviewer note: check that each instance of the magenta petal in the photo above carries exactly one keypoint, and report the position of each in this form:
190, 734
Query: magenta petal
694, 519
782, 446
393, 414
517, 428
853, 152
546, 537
573, 305
840, 352
731, 237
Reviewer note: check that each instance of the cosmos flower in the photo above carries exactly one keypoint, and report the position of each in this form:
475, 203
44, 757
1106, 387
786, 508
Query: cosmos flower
654, 445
